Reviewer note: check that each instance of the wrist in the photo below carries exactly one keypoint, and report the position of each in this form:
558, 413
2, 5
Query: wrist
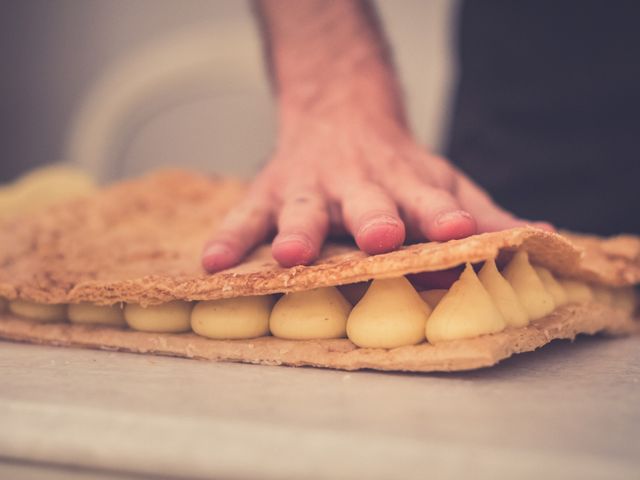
369, 83
347, 122
359, 99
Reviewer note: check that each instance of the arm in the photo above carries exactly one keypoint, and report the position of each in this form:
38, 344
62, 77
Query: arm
324, 55
345, 159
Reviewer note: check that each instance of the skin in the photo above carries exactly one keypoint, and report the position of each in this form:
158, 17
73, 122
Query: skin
345, 159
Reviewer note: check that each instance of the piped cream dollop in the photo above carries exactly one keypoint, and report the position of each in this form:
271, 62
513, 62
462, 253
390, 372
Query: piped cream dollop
533, 296
553, 286
320, 313
466, 311
170, 317
233, 318
90, 314
391, 314
38, 312
577, 291
503, 295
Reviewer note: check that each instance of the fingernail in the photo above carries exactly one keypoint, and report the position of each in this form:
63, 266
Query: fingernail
378, 222
452, 216
295, 238
216, 250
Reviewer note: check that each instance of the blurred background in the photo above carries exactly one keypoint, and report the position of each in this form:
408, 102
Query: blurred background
123, 86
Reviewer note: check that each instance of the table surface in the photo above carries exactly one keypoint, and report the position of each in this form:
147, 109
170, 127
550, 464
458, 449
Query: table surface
570, 410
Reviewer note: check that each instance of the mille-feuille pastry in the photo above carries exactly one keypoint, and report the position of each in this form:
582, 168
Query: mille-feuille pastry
119, 269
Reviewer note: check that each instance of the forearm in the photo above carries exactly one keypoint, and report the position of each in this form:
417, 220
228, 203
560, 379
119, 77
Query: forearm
329, 55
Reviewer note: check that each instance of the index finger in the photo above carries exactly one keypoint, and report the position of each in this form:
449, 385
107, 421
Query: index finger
242, 229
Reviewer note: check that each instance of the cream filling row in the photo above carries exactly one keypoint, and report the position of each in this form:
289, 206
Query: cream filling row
386, 313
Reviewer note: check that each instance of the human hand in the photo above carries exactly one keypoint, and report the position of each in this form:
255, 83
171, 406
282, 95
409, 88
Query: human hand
347, 171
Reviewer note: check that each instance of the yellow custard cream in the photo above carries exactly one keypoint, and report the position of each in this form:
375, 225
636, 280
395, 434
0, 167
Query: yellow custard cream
466, 311
383, 313
535, 298
170, 317
320, 313
503, 295
553, 286
38, 312
391, 314
577, 292
90, 314
233, 318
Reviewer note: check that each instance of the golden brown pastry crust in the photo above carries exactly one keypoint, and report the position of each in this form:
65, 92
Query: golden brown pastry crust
484, 351
140, 241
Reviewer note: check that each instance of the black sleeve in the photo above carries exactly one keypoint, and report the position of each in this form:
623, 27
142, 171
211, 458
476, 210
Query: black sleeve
547, 109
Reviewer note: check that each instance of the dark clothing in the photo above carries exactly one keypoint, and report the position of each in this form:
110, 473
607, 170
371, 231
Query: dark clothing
547, 113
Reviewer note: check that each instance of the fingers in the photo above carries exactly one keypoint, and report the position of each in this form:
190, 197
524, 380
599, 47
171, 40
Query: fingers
438, 172
242, 229
372, 218
433, 211
303, 224
371, 205
441, 217
432, 169
489, 216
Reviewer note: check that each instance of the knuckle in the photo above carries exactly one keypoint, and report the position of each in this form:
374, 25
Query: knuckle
305, 203
434, 197
364, 192
302, 199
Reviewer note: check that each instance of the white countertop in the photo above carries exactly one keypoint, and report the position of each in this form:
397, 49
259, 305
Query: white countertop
567, 411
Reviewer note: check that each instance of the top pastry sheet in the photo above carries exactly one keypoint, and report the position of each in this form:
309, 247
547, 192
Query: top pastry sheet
140, 241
